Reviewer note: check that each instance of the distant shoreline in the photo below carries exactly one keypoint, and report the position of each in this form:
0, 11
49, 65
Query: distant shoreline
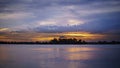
62, 42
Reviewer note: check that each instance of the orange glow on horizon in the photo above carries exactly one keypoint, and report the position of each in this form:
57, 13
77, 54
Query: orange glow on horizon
34, 36
43, 39
84, 34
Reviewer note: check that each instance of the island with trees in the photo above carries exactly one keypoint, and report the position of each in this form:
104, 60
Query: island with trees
62, 41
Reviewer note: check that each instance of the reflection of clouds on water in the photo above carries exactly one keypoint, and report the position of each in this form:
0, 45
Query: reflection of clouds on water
76, 65
78, 56
57, 56
3, 54
72, 53
43, 49
41, 56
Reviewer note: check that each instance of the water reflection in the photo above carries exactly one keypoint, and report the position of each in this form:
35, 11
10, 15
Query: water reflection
81, 53
77, 56
43, 49
69, 53
75, 49
3, 54
39, 56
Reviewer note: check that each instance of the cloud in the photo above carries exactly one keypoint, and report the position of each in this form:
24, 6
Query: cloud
57, 22
19, 15
9, 20
96, 16
3, 29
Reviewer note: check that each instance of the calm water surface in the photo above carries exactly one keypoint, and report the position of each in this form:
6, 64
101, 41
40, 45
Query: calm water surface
59, 56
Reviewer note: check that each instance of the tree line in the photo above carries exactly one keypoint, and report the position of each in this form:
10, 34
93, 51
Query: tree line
62, 41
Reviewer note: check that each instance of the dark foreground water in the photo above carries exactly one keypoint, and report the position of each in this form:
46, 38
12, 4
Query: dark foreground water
59, 56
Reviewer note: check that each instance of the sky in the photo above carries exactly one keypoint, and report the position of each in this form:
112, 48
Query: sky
43, 20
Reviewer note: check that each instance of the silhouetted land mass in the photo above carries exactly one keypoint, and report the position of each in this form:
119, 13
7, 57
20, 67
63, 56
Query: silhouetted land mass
62, 41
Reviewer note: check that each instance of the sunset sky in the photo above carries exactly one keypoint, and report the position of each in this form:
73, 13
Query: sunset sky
43, 20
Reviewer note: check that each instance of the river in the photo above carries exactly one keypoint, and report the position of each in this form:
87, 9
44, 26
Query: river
59, 56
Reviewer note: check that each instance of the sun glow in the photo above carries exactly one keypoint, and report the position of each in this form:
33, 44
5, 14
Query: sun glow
3, 29
84, 34
34, 36
75, 22
43, 39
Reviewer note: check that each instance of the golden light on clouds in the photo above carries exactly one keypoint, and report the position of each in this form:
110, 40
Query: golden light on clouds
34, 36
62, 22
3, 29
85, 34
44, 23
2, 37
75, 22
42, 39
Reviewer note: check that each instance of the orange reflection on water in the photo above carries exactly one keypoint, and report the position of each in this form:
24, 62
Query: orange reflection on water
78, 56
75, 49
82, 53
